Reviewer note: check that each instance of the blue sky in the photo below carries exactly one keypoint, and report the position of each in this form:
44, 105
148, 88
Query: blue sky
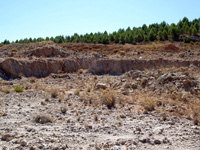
21, 19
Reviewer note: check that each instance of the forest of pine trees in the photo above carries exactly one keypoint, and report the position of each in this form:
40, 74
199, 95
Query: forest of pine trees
153, 32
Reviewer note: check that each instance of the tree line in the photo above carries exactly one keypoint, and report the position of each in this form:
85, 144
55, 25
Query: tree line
153, 32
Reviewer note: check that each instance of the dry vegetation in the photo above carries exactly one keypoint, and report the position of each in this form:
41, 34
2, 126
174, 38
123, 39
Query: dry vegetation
81, 102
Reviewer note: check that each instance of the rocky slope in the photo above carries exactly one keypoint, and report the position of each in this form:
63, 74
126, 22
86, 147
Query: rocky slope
71, 99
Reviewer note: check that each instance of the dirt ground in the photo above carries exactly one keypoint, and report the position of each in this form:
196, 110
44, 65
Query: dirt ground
94, 96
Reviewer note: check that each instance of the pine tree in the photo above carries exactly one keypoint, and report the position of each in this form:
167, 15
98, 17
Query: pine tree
194, 31
152, 35
160, 35
6, 41
165, 35
174, 32
190, 30
122, 38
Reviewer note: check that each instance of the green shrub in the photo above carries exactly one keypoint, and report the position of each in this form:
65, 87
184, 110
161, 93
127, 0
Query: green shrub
191, 42
187, 39
18, 88
134, 43
171, 40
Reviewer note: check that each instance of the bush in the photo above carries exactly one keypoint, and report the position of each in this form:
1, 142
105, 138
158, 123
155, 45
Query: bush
18, 88
148, 104
170, 40
108, 99
187, 39
191, 42
54, 93
134, 43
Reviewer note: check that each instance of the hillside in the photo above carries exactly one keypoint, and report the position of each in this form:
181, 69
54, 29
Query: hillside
100, 96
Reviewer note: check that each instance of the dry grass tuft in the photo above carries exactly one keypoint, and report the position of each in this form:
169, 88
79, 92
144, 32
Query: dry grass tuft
61, 97
149, 104
88, 89
5, 89
108, 99
122, 53
77, 92
32, 79
54, 93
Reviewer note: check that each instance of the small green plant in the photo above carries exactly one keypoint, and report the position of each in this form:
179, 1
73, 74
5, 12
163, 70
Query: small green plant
171, 40
134, 43
191, 42
18, 88
187, 39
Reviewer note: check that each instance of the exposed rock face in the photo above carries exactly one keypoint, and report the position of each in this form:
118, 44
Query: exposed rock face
118, 67
40, 67
44, 66
47, 51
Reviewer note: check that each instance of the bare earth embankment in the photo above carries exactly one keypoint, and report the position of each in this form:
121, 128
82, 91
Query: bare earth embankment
94, 96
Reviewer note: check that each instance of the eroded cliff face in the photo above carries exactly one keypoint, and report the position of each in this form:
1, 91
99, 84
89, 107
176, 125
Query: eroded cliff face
118, 67
42, 67
13, 68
